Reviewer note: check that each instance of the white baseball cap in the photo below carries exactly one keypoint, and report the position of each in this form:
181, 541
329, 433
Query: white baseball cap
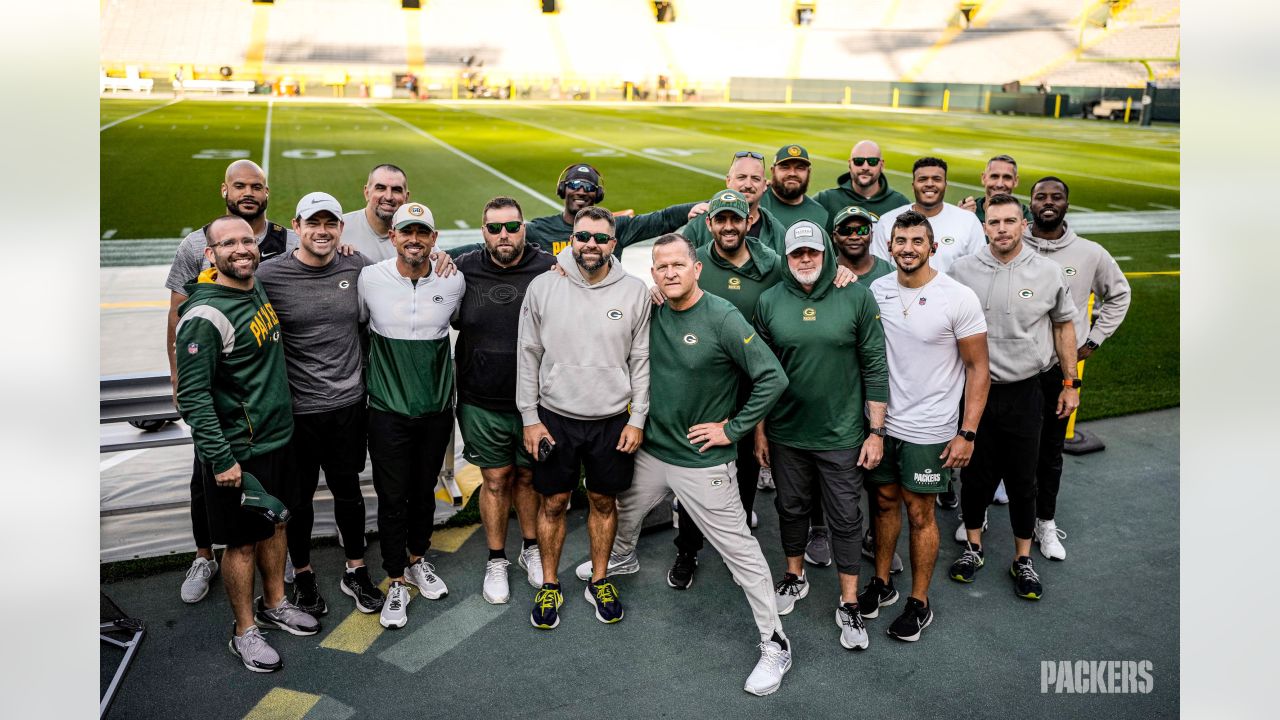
804, 234
315, 202
410, 213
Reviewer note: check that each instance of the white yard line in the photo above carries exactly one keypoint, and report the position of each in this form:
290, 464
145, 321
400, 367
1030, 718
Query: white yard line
1125, 208
1162, 206
114, 123
474, 161
461, 223
109, 234
117, 458
266, 142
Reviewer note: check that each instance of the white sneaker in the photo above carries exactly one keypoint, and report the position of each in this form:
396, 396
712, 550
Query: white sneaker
618, 565
422, 575
773, 664
531, 561
496, 590
961, 536
395, 609
766, 479
196, 585
1002, 497
853, 632
289, 572
1050, 538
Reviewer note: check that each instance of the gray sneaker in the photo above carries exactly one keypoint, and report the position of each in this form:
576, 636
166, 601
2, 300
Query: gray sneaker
196, 585
618, 565
869, 552
853, 633
422, 575
788, 590
286, 616
531, 561
253, 650
395, 608
767, 675
289, 572
817, 551
765, 481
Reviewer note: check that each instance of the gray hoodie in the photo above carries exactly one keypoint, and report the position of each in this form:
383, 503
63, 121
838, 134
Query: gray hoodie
1021, 300
584, 349
1088, 267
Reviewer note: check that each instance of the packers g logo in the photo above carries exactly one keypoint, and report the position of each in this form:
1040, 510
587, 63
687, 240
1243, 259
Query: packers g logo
728, 197
690, 339
344, 284
793, 151
735, 283
1069, 271
948, 240
614, 314
1026, 294
810, 314
437, 299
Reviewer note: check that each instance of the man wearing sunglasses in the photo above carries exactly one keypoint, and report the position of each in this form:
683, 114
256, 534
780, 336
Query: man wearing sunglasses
852, 239
1000, 176
788, 183
864, 185
746, 176
487, 323
583, 395
958, 232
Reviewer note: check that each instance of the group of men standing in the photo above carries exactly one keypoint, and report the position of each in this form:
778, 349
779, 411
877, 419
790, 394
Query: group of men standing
839, 341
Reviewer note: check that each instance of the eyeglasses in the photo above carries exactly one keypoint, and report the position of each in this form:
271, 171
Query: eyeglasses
581, 186
860, 161
583, 236
748, 153
859, 230
231, 243
510, 226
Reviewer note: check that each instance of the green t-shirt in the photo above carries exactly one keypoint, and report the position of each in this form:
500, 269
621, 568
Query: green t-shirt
695, 359
789, 215
881, 268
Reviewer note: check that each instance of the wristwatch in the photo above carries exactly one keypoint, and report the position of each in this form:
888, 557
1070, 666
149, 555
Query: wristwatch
878, 431
968, 435
1071, 382
1091, 345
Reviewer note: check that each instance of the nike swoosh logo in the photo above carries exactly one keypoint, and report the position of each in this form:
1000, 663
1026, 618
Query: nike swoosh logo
747, 340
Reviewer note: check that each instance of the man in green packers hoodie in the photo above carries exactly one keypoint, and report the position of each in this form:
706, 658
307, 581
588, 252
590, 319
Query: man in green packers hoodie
864, 185
746, 176
831, 346
233, 391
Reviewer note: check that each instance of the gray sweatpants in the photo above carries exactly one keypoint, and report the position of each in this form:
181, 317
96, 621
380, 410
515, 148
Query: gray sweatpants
711, 497
840, 478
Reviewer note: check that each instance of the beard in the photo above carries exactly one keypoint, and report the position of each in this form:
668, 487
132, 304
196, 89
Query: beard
384, 216
794, 192
505, 254
807, 277
249, 217
226, 266
590, 266
727, 245
1048, 225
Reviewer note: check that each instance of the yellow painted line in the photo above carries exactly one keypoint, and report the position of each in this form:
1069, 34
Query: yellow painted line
1150, 274
468, 479
134, 304
355, 634
450, 539
282, 704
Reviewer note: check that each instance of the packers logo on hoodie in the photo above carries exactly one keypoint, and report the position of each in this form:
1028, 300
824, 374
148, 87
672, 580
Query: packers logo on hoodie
810, 314
614, 314
1026, 293
1069, 271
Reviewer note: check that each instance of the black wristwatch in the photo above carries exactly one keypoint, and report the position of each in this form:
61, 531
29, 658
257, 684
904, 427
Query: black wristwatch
1091, 345
967, 435
878, 431
1071, 383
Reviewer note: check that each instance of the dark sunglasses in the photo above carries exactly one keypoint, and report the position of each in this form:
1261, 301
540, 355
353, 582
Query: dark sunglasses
510, 226
860, 161
748, 153
582, 186
583, 236
847, 230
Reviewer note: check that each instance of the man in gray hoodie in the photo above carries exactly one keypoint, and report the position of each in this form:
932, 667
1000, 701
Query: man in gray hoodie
582, 389
1087, 268
1030, 320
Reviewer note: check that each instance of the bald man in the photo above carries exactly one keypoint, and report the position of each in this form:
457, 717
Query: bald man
245, 193
864, 185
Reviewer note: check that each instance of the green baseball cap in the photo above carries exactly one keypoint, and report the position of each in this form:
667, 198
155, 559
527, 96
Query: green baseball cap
791, 152
730, 200
255, 498
854, 211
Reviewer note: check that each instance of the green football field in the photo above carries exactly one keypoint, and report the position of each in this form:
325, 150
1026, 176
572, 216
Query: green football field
162, 163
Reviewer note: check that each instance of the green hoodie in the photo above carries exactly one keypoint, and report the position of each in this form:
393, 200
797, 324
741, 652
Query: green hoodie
772, 232
838, 198
831, 345
741, 286
789, 215
233, 388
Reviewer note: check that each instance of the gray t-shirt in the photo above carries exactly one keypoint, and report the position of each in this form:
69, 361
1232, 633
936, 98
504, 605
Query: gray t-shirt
189, 260
319, 311
357, 233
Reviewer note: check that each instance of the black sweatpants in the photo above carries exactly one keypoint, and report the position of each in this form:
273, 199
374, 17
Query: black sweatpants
336, 441
689, 538
407, 455
1007, 448
840, 481
1052, 438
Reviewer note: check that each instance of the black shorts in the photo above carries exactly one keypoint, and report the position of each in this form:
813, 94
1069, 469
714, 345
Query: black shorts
336, 440
584, 443
231, 525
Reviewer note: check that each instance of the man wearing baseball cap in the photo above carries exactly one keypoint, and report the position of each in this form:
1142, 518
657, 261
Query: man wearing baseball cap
313, 291
410, 385
233, 392
788, 183
746, 176
831, 345
851, 236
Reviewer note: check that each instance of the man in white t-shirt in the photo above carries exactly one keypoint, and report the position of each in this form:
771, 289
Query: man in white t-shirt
368, 229
936, 344
957, 232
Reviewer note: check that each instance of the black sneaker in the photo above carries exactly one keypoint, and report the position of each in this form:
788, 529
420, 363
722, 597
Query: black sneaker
915, 617
603, 596
546, 607
875, 596
967, 566
680, 576
947, 499
359, 587
1026, 583
307, 596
